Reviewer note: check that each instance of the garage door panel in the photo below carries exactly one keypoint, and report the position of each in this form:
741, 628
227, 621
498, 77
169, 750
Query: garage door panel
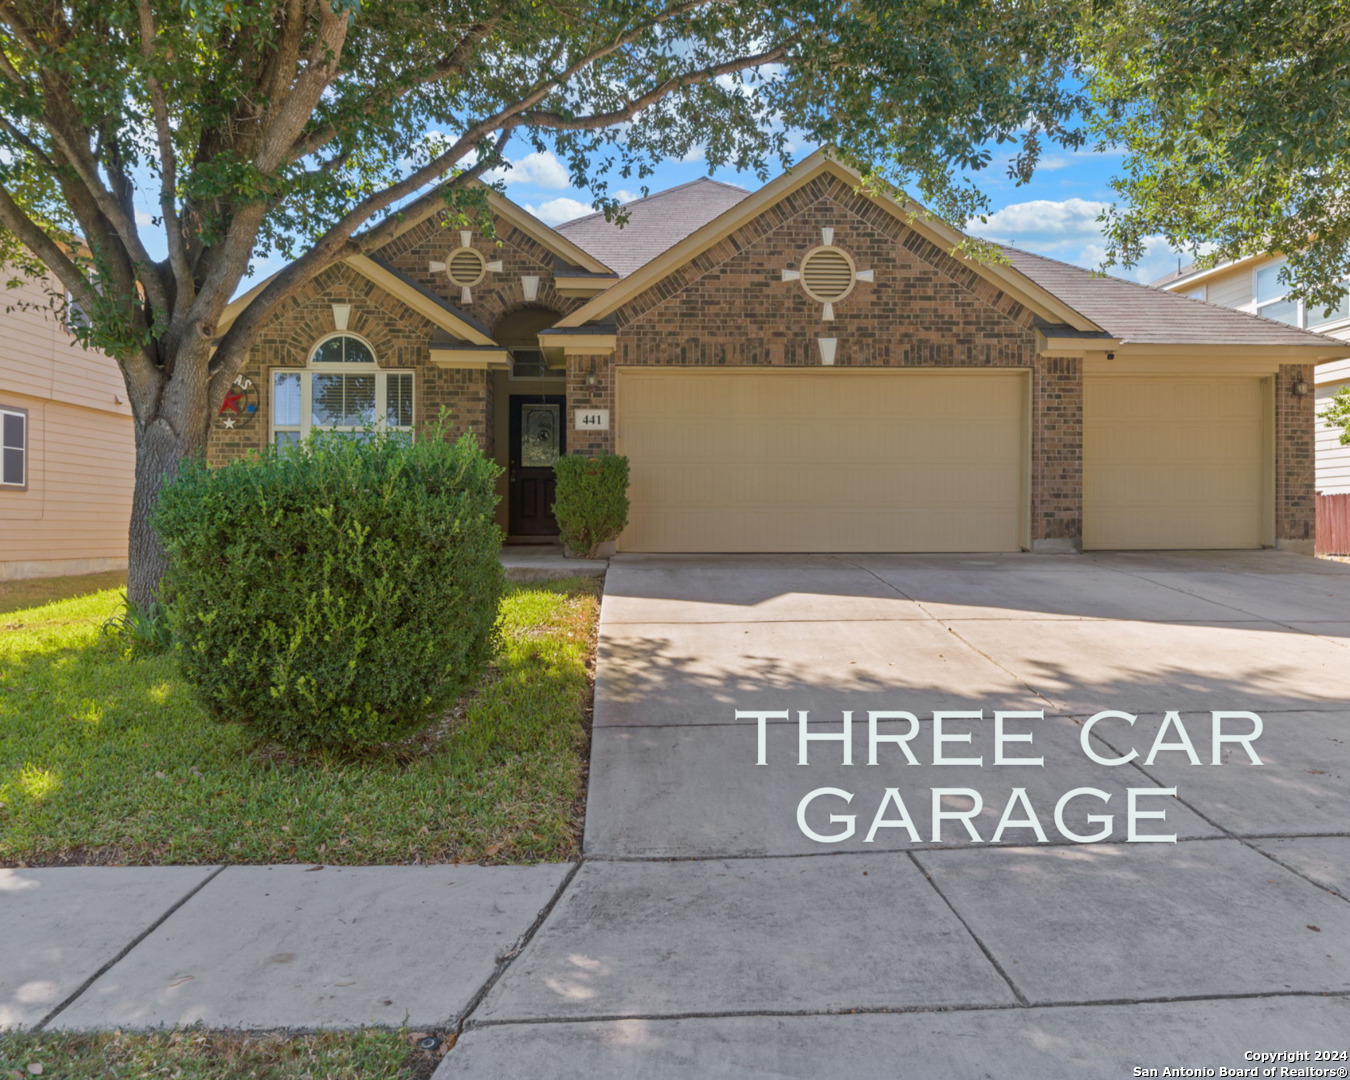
1173, 463
834, 461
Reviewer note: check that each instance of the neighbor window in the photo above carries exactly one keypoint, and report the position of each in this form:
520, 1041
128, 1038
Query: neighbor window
1320, 316
341, 390
1273, 304
13, 447
1270, 295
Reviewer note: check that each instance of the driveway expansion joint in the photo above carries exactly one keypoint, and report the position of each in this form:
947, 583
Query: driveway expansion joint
900, 1010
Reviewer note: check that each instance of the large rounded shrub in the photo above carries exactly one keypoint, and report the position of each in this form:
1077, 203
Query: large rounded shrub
338, 594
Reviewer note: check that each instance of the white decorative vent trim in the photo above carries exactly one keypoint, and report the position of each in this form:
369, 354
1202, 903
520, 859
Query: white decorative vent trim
466, 267
828, 274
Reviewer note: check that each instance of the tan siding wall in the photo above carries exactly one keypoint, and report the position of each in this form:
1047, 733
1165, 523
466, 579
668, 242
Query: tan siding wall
81, 455
1233, 289
73, 516
38, 358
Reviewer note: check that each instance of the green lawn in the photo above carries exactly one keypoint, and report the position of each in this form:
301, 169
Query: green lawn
192, 1054
106, 760
16, 595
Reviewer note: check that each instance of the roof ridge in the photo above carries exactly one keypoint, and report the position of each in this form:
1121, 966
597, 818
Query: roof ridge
1155, 291
655, 195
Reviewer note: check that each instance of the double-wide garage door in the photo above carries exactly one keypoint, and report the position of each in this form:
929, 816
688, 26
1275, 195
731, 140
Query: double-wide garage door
1175, 462
817, 460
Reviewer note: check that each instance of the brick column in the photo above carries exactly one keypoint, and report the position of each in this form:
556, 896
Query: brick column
1295, 464
1057, 455
598, 393
465, 394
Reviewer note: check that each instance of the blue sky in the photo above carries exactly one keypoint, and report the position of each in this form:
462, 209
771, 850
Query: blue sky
1055, 215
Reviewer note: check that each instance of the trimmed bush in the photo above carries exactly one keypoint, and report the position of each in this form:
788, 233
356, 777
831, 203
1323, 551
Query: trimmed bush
591, 502
337, 594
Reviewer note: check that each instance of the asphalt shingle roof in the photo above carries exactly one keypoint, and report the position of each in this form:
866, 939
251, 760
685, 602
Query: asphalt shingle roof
655, 224
1143, 315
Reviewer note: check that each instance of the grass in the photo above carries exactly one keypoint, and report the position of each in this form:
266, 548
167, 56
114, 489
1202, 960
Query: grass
194, 1054
30, 592
111, 760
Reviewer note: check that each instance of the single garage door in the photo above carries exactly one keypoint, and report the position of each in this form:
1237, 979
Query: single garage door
737, 460
1174, 463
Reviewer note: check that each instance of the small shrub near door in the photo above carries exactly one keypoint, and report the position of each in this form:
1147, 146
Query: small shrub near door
591, 502
338, 594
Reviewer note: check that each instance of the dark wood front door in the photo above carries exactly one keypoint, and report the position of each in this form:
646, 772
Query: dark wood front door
538, 437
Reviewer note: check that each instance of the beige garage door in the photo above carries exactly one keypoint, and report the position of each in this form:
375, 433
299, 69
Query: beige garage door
738, 460
1174, 463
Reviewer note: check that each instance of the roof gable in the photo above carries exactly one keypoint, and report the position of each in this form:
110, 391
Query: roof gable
565, 249
1008, 280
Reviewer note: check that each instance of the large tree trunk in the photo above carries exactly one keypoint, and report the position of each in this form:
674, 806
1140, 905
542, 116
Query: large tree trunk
175, 429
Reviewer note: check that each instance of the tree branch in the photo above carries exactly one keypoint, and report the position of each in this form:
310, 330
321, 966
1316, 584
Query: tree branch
185, 290
557, 122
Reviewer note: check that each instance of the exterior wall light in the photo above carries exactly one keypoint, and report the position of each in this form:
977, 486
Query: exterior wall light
1301, 388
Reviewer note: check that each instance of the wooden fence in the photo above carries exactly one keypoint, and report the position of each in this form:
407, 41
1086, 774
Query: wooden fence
1333, 524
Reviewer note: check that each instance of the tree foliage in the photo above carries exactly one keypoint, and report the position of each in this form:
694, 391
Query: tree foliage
232, 130
1236, 118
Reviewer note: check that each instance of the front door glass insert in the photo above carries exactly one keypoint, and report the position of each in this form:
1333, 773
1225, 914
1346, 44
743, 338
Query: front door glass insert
540, 426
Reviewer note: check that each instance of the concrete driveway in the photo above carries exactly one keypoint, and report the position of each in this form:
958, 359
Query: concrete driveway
708, 934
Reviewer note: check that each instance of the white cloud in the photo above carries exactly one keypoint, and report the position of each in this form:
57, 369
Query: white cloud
143, 219
1042, 222
624, 195
540, 169
556, 211
1069, 230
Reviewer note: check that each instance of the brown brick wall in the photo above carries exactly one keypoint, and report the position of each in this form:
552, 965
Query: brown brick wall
498, 293
399, 337
1295, 470
730, 306
596, 395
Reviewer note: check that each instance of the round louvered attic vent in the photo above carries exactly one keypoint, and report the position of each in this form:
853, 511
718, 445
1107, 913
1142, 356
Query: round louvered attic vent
828, 274
466, 267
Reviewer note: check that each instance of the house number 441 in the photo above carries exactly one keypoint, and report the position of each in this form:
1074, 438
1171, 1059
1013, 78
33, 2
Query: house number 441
592, 420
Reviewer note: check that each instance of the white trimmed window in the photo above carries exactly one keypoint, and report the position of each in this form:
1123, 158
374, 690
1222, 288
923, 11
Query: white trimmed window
341, 389
13, 448
1272, 302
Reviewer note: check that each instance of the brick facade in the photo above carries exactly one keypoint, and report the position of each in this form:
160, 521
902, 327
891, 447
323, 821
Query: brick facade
730, 306
498, 294
1295, 466
398, 337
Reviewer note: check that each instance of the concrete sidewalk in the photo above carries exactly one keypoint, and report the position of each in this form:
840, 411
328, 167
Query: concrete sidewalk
260, 947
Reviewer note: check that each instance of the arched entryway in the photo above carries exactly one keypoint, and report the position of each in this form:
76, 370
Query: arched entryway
529, 426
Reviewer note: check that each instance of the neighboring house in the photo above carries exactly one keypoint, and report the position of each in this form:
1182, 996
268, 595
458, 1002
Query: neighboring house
807, 368
1253, 285
68, 448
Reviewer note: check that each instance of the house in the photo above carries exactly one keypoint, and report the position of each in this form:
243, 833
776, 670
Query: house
1253, 285
807, 367
68, 454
